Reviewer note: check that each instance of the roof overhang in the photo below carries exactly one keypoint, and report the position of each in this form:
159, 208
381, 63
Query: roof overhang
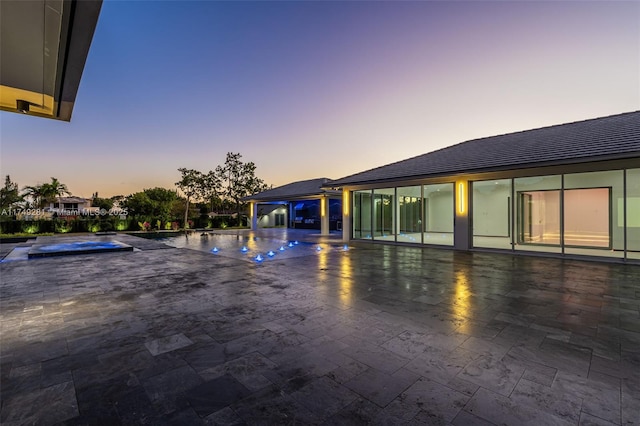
43, 49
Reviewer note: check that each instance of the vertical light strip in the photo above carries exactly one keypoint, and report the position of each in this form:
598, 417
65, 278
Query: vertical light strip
461, 198
323, 202
345, 202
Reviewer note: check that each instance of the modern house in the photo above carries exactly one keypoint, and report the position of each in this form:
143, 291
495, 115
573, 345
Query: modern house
303, 205
564, 190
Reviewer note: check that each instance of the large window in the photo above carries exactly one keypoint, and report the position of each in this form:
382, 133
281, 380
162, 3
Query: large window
438, 214
362, 214
383, 214
537, 206
593, 222
409, 214
633, 213
491, 213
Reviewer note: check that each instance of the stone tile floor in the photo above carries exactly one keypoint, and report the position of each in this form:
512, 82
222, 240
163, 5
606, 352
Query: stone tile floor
376, 335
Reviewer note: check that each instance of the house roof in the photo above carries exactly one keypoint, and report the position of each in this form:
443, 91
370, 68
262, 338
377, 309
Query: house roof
612, 137
72, 199
296, 190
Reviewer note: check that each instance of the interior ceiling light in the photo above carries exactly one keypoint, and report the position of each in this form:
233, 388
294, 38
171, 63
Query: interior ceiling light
22, 106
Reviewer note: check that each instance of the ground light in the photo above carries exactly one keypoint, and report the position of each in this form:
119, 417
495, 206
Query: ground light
318, 248
259, 258
290, 244
281, 248
345, 247
271, 253
215, 250
244, 249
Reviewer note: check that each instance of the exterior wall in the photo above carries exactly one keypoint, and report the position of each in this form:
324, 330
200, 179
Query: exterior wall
272, 215
583, 209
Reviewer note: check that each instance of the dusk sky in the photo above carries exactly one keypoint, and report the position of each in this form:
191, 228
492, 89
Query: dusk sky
320, 89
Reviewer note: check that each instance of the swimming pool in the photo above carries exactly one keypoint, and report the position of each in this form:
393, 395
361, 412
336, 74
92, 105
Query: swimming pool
248, 247
76, 247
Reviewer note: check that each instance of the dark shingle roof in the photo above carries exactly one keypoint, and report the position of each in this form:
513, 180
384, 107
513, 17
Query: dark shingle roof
612, 137
300, 189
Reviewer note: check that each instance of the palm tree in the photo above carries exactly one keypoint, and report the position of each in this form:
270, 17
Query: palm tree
54, 190
35, 193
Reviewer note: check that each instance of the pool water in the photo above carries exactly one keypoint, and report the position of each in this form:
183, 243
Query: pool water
244, 247
77, 247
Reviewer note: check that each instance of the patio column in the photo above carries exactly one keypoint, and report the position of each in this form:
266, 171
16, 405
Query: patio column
346, 216
461, 224
324, 216
254, 215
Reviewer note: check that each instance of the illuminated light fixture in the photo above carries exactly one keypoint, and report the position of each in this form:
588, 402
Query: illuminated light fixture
215, 250
244, 249
345, 247
259, 258
323, 203
281, 248
345, 203
461, 197
271, 253
22, 106
318, 248
251, 209
295, 243
290, 244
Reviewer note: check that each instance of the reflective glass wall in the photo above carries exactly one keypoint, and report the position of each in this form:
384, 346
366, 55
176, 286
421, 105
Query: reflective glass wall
574, 213
409, 214
491, 213
537, 218
633, 213
594, 213
362, 215
384, 214
438, 214
404, 214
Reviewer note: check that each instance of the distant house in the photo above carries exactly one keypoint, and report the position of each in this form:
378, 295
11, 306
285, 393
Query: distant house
565, 190
71, 206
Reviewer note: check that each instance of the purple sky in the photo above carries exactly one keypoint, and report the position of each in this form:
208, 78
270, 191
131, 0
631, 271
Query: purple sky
320, 89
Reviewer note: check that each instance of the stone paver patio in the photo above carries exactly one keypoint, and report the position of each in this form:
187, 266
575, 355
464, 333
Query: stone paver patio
379, 335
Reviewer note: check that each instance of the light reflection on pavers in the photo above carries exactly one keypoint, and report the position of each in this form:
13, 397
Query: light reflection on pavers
373, 335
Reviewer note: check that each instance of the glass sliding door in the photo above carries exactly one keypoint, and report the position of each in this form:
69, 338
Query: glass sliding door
537, 207
594, 214
409, 214
633, 213
438, 206
491, 213
362, 215
384, 214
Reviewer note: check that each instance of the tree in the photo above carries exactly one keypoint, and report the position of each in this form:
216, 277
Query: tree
161, 201
53, 190
190, 185
138, 204
210, 188
35, 194
239, 180
9, 194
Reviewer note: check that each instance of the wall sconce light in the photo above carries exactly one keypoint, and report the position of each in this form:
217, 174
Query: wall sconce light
22, 106
345, 203
461, 198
